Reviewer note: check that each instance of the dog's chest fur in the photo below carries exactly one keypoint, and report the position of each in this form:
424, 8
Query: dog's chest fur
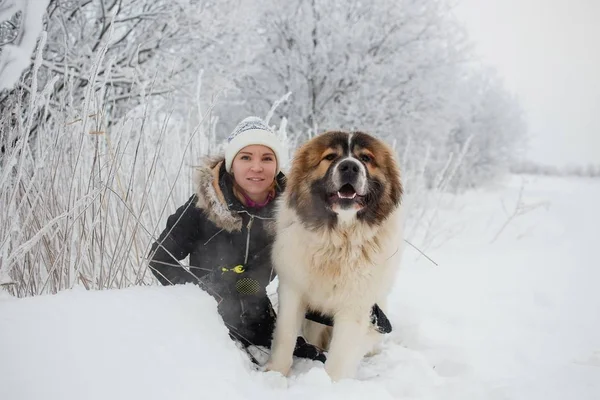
336, 268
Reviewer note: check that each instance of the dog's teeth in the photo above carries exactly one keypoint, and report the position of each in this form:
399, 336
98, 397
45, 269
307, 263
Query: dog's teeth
341, 196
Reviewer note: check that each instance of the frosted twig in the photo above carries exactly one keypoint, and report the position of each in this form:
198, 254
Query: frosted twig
425, 255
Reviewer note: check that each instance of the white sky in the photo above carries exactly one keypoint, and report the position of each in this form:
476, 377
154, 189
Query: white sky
549, 53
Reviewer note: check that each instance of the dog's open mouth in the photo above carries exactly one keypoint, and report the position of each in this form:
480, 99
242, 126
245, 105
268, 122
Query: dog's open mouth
347, 192
346, 195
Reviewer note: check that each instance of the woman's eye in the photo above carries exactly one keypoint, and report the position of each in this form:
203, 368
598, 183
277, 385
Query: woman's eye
245, 158
365, 158
268, 159
330, 157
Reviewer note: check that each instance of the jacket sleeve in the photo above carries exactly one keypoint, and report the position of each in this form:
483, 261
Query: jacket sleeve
175, 243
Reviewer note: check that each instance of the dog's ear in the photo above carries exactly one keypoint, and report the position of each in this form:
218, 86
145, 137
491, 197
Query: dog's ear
391, 167
293, 178
397, 190
298, 175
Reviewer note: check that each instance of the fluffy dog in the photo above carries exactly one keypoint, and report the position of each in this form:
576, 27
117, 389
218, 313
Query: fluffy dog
338, 246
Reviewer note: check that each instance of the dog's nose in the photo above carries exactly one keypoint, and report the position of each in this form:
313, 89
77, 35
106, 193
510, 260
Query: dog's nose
349, 167
349, 172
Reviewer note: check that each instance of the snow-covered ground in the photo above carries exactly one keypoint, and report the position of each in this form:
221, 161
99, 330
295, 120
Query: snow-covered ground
513, 318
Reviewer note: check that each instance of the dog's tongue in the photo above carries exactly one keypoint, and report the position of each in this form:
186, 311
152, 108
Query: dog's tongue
346, 192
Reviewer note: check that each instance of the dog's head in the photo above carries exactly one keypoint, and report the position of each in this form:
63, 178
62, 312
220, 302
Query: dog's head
341, 177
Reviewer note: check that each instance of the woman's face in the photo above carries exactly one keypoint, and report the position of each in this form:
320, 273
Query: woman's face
254, 170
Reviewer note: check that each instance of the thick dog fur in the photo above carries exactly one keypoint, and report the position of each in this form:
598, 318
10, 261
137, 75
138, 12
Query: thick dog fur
338, 259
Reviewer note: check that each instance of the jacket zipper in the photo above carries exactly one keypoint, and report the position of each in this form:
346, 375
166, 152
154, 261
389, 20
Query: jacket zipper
249, 226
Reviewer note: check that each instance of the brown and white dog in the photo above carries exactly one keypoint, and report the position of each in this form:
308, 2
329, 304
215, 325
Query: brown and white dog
338, 246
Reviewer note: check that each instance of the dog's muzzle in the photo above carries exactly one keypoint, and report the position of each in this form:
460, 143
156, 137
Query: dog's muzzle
351, 172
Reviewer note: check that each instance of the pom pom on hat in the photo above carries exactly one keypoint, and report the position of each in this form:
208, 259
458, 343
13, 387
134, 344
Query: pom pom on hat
251, 131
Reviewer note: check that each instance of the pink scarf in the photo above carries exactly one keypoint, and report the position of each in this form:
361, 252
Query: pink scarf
252, 203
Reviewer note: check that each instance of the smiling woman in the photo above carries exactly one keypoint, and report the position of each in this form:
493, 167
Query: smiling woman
224, 230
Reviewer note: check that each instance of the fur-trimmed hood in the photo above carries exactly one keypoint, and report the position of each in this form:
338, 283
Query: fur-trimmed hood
211, 197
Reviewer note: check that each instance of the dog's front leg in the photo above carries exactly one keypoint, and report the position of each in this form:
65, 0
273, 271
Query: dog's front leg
347, 344
290, 314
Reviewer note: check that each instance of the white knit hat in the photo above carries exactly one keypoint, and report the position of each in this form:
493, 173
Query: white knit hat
252, 130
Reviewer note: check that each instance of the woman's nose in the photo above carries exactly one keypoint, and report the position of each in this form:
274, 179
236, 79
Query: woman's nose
257, 166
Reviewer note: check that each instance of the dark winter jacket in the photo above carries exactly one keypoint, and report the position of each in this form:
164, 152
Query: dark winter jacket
228, 245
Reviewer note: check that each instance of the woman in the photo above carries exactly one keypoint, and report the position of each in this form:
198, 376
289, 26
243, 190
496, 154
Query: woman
224, 229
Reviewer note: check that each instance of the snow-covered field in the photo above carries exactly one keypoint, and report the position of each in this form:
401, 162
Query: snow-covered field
513, 318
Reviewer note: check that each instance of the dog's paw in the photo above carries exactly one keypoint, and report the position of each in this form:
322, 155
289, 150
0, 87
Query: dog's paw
375, 350
373, 343
338, 372
282, 367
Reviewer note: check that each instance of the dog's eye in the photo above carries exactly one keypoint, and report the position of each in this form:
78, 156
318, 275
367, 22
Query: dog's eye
365, 158
330, 157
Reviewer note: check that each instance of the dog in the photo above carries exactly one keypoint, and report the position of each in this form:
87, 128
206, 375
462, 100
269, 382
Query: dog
337, 249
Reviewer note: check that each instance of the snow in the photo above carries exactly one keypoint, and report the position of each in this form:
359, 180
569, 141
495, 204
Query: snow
520, 314
514, 318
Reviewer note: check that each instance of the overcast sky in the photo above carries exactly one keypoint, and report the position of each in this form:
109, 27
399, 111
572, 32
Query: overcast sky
549, 53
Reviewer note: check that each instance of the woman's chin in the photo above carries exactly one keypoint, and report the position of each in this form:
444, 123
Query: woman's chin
256, 189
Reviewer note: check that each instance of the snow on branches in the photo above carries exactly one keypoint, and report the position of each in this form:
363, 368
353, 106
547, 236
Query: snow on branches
20, 26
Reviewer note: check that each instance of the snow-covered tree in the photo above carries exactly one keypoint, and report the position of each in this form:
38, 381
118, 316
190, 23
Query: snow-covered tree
381, 66
82, 187
397, 69
491, 132
106, 55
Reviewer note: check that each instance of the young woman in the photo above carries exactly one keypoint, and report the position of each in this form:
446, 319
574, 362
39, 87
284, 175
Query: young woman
224, 229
